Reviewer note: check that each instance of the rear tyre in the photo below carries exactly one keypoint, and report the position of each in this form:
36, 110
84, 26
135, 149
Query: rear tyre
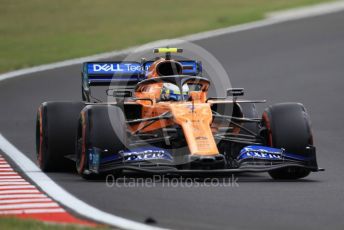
288, 127
55, 134
100, 127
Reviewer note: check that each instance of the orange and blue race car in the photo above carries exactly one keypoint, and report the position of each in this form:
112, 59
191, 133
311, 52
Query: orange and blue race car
163, 121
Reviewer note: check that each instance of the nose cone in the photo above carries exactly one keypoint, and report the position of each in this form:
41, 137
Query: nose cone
206, 162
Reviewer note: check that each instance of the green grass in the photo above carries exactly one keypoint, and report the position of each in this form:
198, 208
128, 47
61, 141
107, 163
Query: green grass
21, 224
34, 32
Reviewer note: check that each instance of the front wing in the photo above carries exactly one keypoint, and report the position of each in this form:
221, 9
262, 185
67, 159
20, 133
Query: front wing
159, 161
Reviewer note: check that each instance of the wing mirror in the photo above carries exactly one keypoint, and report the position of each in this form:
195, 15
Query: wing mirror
235, 92
119, 93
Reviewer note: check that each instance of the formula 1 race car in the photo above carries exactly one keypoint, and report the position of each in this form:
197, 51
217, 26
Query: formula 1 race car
162, 121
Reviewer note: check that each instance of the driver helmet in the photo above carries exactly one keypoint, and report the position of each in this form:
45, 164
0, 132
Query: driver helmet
171, 92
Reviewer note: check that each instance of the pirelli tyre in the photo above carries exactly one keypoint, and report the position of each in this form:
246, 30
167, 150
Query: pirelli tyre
288, 127
100, 127
55, 134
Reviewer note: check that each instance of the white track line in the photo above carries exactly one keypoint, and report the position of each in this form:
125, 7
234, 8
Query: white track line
9, 173
16, 187
75, 204
26, 191
10, 177
14, 183
4, 165
12, 180
6, 170
22, 196
31, 200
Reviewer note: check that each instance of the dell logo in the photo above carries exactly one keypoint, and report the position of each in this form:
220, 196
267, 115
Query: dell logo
107, 67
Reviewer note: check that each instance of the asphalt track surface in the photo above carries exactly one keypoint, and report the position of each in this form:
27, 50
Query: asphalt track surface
293, 61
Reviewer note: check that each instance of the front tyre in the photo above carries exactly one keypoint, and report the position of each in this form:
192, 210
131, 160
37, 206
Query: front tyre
101, 127
55, 134
288, 127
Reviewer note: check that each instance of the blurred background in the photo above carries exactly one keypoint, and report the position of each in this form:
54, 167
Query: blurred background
43, 31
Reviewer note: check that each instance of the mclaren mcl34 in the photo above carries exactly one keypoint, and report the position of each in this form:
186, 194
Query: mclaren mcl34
162, 121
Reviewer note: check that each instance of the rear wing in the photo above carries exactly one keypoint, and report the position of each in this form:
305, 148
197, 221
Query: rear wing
124, 75
106, 73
